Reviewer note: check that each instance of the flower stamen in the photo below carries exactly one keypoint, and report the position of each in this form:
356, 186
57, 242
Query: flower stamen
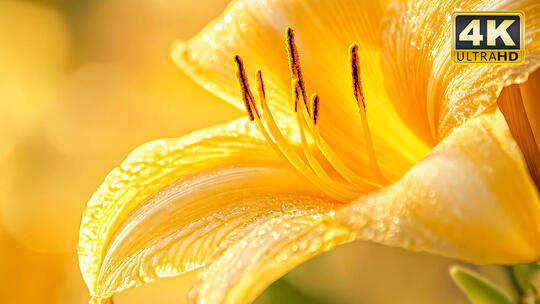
296, 73
315, 107
244, 87
260, 86
316, 161
313, 161
360, 100
294, 62
341, 167
275, 138
332, 157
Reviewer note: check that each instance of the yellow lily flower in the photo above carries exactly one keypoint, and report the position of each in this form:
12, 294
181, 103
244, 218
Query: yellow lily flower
398, 146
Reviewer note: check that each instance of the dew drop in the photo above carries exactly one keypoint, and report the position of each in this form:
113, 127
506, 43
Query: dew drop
282, 257
316, 244
287, 207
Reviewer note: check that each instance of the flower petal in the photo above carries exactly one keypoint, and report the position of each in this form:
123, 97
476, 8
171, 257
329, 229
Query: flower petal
432, 94
530, 93
273, 246
173, 202
471, 198
255, 30
512, 106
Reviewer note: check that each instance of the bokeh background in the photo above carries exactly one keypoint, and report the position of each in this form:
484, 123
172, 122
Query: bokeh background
84, 82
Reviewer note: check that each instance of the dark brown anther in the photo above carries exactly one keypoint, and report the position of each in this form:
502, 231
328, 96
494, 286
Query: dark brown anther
260, 86
294, 63
261, 82
247, 96
315, 103
357, 84
296, 95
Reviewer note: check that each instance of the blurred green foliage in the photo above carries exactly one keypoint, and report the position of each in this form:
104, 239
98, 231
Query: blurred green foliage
478, 289
481, 290
283, 292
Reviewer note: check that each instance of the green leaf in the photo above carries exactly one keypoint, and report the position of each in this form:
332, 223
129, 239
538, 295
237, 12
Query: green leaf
478, 289
283, 292
522, 275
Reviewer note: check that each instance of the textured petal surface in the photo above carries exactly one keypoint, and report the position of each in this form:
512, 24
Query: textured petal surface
471, 198
324, 31
222, 193
172, 202
432, 94
273, 246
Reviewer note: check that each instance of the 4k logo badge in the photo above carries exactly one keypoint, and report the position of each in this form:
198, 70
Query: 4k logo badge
488, 37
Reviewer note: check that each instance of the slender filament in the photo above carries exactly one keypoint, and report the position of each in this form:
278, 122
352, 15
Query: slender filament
315, 159
359, 96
